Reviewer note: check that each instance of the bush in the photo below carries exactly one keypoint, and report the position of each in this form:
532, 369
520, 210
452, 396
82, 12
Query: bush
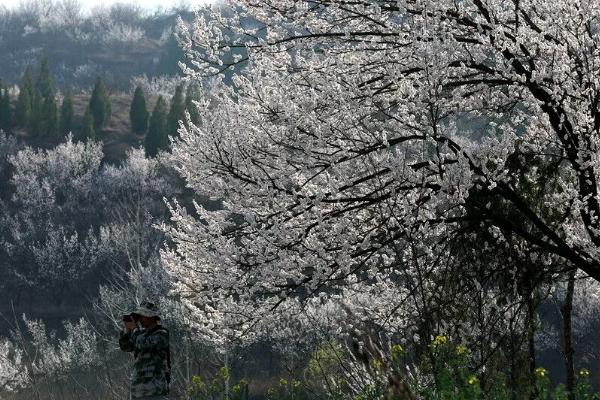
216, 388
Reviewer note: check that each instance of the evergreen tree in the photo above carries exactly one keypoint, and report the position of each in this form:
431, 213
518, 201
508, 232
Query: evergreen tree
44, 82
100, 105
50, 117
177, 112
138, 113
192, 94
87, 131
28, 82
157, 137
37, 118
23, 108
5, 112
66, 115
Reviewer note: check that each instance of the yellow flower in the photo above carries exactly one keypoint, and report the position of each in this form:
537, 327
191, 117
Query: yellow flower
472, 380
541, 372
584, 372
224, 372
440, 340
461, 349
397, 349
296, 384
283, 382
197, 381
377, 364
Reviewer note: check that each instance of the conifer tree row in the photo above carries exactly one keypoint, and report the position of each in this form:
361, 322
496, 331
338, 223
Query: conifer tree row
163, 125
37, 111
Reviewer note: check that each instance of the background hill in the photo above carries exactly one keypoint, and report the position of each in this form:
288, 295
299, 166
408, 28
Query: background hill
115, 42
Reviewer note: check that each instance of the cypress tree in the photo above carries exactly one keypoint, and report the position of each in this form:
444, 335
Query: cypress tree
157, 137
50, 117
192, 94
66, 115
87, 131
23, 108
44, 82
138, 113
177, 112
5, 112
100, 105
28, 82
37, 118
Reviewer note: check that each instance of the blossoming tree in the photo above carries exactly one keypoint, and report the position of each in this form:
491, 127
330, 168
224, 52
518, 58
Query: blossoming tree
359, 129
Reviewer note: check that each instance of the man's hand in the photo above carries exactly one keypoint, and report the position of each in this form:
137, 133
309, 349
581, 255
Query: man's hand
129, 326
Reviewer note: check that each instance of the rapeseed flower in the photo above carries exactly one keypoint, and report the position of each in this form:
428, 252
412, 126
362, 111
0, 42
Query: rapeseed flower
541, 372
472, 380
461, 349
440, 340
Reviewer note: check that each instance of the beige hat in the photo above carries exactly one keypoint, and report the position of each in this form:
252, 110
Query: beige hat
147, 309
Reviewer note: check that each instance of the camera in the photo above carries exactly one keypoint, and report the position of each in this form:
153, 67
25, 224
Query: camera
130, 317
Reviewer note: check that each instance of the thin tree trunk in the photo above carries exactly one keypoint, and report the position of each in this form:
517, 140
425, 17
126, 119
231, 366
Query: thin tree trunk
567, 314
531, 341
513, 366
227, 382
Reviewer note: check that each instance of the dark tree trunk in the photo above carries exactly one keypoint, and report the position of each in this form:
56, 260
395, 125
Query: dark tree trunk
513, 364
531, 342
567, 313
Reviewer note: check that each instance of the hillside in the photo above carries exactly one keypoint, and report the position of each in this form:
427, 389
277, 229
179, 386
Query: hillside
116, 137
115, 42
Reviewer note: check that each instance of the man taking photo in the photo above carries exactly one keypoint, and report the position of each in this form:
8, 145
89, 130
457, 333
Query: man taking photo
149, 341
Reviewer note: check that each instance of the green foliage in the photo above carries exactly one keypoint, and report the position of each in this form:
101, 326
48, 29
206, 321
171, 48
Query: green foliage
87, 131
28, 83
325, 371
24, 104
5, 111
99, 106
176, 112
43, 118
287, 390
215, 388
138, 113
444, 373
66, 115
192, 94
37, 118
447, 366
44, 83
157, 137
50, 117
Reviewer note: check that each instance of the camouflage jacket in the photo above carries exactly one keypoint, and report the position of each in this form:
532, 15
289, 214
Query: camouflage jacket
150, 368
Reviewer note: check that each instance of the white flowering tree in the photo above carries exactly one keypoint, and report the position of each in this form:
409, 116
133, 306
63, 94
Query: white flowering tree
35, 360
360, 127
